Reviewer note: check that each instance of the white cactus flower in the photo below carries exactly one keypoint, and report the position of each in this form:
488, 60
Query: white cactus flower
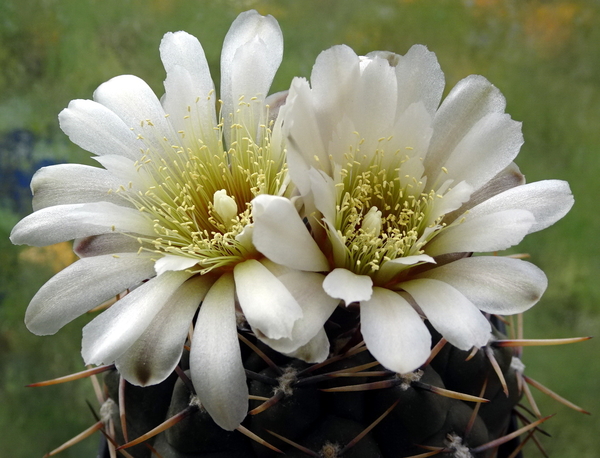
401, 191
169, 219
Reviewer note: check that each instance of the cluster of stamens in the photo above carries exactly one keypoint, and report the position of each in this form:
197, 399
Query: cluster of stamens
381, 213
198, 193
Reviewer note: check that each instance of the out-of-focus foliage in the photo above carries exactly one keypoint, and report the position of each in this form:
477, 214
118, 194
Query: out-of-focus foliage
543, 55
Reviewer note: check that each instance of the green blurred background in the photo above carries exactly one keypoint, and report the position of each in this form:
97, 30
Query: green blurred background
543, 55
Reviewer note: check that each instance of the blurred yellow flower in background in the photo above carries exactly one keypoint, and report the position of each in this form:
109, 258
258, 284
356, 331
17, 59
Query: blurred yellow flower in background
549, 27
56, 256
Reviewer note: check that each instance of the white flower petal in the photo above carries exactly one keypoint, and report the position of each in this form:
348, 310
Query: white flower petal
547, 200
112, 332
508, 178
67, 222
215, 358
182, 53
315, 351
420, 79
252, 52
470, 100
82, 286
130, 98
302, 130
317, 307
394, 332
171, 262
275, 102
334, 75
122, 168
390, 269
98, 130
245, 237
189, 89
451, 313
494, 284
324, 194
340, 253
347, 286
411, 135
153, 357
485, 150
267, 304
73, 184
483, 233
280, 234
249, 84
276, 269
453, 199
374, 100
312, 116
193, 116
184, 50
97, 245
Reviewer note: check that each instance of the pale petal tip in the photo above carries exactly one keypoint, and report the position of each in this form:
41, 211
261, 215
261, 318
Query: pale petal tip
348, 286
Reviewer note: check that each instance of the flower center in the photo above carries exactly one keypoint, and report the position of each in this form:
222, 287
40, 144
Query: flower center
198, 193
383, 211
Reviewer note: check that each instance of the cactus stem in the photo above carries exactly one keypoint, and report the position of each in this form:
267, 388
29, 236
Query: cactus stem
349, 445
554, 395
354, 441
294, 444
262, 355
76, 376
246, 432
475, 410
437, 451
490, 354
84, 434
509, 437
435, 350
162, 427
